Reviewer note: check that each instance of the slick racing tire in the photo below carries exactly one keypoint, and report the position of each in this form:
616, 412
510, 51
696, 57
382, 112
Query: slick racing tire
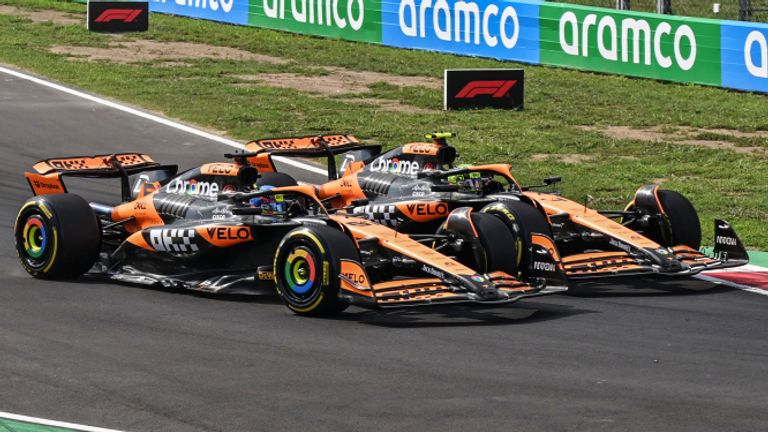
523, 219
307, 267
683, 221
495, 245
683, 218
275, 179
57, 236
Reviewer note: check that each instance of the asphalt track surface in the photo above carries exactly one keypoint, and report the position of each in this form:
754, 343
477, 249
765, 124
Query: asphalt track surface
651, 356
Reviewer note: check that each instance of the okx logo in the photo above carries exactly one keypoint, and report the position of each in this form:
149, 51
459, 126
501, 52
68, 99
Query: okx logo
118, 16
484, 88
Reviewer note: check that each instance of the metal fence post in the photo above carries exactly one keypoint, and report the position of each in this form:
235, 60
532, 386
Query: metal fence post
622, 5
664, 7
745, 10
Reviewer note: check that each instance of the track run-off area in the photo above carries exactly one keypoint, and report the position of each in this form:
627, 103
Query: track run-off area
682, 355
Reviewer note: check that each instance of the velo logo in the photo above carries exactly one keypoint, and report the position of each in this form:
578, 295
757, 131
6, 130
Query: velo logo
113, 17
483, 88
494, 88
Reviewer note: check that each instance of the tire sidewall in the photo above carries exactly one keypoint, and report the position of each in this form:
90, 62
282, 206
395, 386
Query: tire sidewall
303, 239
73, 231
37, 208
511, 214
329, 246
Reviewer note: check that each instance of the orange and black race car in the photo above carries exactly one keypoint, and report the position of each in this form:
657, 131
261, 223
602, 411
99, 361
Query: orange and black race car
218, 228
416, 189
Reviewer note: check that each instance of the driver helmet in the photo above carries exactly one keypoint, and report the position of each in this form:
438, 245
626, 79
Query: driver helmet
270, 204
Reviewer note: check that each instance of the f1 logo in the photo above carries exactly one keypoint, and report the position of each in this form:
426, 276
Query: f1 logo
124, 15
483, 88
495, 88
116, 16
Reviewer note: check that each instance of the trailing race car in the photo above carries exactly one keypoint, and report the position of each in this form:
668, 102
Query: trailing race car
416, 189
218, 228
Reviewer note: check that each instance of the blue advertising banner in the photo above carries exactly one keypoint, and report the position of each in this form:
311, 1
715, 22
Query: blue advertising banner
228, 11
501, 29
744, 55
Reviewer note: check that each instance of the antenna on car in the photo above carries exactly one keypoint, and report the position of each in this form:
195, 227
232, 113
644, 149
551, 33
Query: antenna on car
440, 137
240, 157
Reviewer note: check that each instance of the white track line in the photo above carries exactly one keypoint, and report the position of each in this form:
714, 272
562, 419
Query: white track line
54, 423
732, 284
155, 118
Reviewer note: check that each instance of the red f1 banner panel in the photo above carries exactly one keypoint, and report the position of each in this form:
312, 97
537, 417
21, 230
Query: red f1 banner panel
116, 17
483, 88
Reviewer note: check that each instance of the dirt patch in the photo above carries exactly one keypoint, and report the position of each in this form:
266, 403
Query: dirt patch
564, 158
325, 84
684, 135
341, 81
148, 50
41, 16
337, 81
390, 105
367, 78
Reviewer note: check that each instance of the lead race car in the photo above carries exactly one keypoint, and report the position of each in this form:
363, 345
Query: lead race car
416, 189
218, 228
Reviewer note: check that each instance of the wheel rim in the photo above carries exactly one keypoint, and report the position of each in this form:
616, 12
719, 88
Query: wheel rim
35, 241
300, 270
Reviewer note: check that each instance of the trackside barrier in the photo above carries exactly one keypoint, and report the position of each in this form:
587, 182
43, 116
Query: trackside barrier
720, 53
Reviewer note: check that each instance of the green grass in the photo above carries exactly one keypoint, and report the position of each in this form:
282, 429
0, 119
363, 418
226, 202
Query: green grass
720, 183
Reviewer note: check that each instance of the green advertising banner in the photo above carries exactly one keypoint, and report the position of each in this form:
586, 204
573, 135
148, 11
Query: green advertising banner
665, 47
357, 20
647, 45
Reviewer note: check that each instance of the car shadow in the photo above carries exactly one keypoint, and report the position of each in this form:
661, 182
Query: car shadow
461, 315
646, 287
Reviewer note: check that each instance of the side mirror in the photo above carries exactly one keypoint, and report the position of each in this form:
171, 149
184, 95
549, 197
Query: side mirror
549, 181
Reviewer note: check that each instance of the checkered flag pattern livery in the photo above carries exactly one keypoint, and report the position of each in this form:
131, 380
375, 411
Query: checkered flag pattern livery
173, 240
385, 214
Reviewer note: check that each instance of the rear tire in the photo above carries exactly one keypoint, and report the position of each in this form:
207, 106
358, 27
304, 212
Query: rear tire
307, 267
57, 236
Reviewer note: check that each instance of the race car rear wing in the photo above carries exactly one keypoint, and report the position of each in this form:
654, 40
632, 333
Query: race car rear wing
49, 172
259, 152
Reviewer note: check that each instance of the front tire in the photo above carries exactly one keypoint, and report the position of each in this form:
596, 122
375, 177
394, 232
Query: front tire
523, 219
490, 246
307, 267
682, 218
57, 236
